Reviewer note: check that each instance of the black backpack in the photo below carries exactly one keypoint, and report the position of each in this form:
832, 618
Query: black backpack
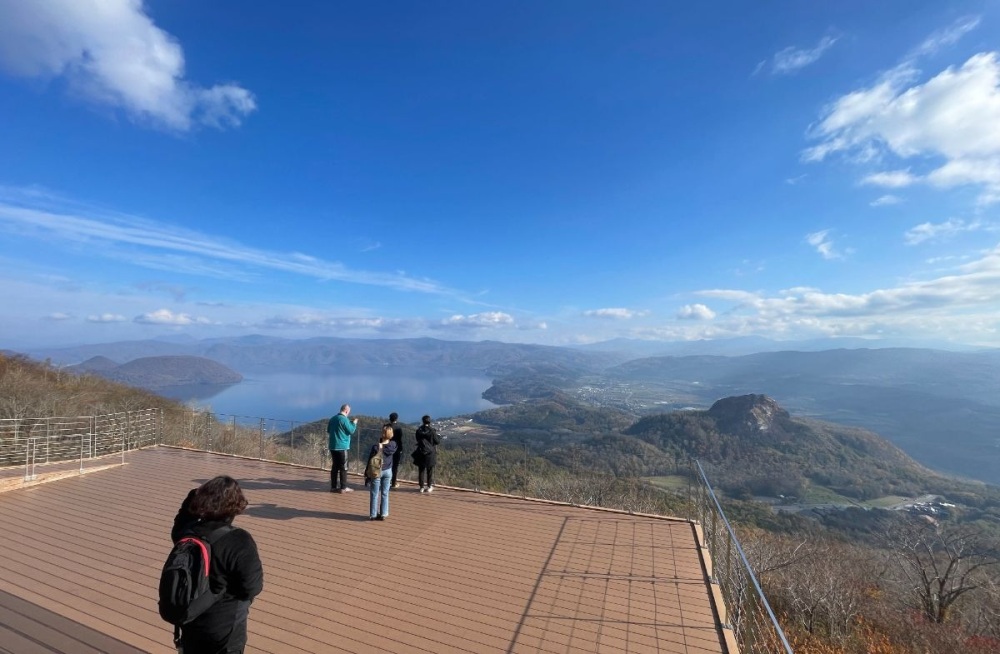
184, 590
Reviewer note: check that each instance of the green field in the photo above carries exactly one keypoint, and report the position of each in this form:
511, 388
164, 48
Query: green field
669, 482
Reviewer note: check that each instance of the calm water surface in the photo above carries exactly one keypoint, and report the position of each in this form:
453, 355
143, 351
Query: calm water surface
310, 396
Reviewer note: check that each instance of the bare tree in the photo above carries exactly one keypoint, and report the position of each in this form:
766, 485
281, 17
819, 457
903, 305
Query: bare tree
940, 564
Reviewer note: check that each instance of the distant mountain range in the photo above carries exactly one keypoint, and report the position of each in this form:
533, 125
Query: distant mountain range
160, 372
941, 407
264, 353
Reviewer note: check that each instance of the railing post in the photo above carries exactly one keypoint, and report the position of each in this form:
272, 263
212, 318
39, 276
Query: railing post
260, 454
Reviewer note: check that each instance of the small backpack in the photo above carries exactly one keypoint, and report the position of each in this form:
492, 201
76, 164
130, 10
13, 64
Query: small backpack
184, 590
374, 468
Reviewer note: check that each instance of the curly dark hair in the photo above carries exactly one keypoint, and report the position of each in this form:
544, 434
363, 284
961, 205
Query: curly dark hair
218, 499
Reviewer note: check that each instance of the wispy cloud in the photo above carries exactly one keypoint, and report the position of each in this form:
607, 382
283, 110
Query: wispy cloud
613, 313
695, 312
112, 54
164, 247
792, 59
886, 200
950, 35
938, 231
823, 243
106, 317
59, 316
891, 179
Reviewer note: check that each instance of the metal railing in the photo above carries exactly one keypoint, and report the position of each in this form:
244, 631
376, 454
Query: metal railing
748, 614
73, 442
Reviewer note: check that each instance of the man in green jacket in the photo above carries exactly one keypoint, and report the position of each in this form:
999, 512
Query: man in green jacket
340, 429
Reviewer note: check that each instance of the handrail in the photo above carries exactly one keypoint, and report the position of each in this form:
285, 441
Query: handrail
744, 636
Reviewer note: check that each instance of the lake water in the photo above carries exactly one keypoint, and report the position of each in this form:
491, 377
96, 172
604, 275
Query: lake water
304, 397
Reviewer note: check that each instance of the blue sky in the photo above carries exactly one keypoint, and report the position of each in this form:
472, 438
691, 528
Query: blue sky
545, 172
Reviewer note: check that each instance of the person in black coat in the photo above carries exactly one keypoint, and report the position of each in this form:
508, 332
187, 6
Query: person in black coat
236, 571
397, 438
425, 456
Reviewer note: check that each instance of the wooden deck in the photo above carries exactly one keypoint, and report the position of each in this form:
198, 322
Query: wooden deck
449, 572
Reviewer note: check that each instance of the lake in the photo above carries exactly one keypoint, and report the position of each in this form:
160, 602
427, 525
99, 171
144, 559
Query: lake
304, 397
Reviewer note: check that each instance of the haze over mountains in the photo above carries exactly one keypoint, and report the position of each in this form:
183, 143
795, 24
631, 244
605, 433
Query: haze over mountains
941, 407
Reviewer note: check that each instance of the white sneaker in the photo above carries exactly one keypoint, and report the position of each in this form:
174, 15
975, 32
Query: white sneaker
348, 490
430, 489
423, 490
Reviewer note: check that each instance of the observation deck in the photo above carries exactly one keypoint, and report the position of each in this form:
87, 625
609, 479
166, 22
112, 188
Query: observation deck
455, 571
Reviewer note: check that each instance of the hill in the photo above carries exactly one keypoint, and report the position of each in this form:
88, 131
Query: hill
751, 444
161, 372
755, 447
942, 408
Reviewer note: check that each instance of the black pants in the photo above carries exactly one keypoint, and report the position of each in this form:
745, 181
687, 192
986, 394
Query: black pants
427, 471
397, 455
338, 469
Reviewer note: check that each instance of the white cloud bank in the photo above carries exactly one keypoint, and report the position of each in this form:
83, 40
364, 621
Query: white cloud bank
951, 120
963, 306
111, 53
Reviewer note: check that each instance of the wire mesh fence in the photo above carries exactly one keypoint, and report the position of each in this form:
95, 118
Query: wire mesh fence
62, 443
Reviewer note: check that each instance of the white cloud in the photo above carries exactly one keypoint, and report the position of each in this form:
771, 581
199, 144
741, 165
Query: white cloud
791, 60
972, 289
824, 245
168, 317
613, 313
937, 231
486, 319
891, 179
695, 312
111, 53
59, 316
953, 117
947, 36
159, 246
106, 317
886, 200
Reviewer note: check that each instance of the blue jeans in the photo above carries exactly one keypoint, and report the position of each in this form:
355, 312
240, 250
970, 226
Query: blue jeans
382, 483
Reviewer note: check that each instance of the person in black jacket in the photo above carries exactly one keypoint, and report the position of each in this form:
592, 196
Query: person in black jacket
425, 456
397, 438
236, 572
